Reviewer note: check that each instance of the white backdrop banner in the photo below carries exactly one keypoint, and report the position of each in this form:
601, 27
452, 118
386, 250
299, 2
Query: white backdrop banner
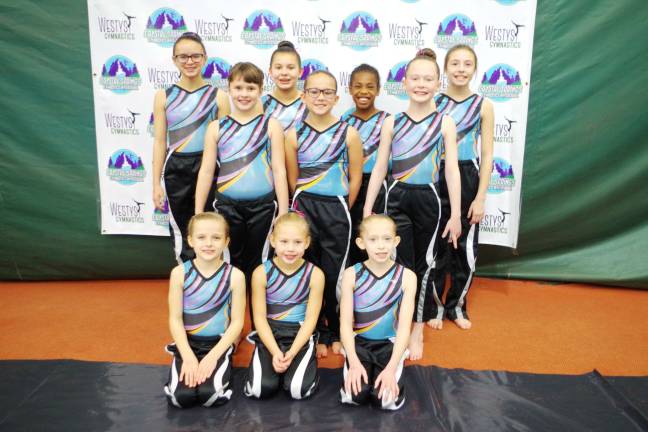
131, 58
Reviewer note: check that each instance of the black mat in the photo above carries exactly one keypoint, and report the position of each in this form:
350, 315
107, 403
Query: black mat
66, 395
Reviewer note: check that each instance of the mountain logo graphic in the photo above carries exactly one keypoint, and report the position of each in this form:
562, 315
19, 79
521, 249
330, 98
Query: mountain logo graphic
502, 178
164, 26
360, 31
456, 29
501, 82
308, 67
119, 74
125, 167
216, 71
263, 29
161, 217
394, 83
149, 127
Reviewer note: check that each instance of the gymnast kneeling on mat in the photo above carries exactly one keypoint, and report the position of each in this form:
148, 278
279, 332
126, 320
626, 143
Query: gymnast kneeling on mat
376, 309
287, 296
206, 313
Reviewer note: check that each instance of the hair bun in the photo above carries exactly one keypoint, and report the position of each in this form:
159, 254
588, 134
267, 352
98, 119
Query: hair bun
286, 45
426, 52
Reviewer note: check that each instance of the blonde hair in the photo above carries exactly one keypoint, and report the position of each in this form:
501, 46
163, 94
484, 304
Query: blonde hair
362, 229
213, 216
292, 218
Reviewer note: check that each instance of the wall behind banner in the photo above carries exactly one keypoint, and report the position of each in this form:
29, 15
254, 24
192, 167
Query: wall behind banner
585, 210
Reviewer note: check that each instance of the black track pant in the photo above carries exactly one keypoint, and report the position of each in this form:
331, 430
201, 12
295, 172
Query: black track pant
460, 262
300, 379
374, 356
416, 210
250, 223
330, 226
355, 254
216, 390
180, 174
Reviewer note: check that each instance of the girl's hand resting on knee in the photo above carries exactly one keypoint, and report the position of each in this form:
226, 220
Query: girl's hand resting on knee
206, 368
452, 230
354, 378
387, 385
189, 371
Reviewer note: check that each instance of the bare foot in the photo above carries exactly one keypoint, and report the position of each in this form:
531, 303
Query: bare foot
463, 323
336, 347
415, 346
435, 323
321, 351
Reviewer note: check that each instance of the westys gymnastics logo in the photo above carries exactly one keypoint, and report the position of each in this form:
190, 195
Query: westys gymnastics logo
164, 26
502, 178
308, 67
216, 71
161, 217
263, 29
456, 29
394, 83
119, 74
126, 168
360, 31
501, 82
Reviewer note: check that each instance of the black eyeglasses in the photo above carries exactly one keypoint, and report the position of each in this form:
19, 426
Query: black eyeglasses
315, 92
184, 58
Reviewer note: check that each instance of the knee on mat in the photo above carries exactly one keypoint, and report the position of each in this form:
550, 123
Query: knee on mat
183, 397
209, 396
359, 399
307, 388
390, 405
268, 388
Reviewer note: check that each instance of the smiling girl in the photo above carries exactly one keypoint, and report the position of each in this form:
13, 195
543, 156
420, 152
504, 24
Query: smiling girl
286, 301
474, 117
364, 87
417, 141
324, 163
248, 147
181, 115
285, 102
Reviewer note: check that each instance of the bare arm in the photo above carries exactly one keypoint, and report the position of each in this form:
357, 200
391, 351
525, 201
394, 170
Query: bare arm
159, 146
386, 382
237, 318
176, 324
380, 168
189, 369
312, 312
453, 180
356, 373
476, 211
259, 311
207, 167
279, 164
356, 159
222, 100
292, 168
404, 319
